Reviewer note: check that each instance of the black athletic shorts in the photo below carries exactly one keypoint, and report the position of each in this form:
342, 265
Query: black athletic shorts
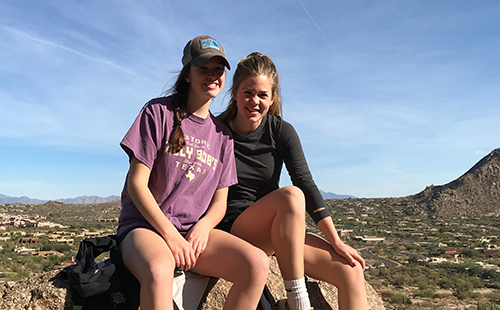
227, 223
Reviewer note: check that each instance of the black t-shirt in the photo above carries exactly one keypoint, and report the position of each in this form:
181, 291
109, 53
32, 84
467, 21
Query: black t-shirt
259, 158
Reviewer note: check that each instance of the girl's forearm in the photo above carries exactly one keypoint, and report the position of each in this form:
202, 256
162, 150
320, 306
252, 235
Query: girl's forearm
328, 229
217, 208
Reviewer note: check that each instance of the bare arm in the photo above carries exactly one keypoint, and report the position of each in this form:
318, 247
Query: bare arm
138, 178
198, 235
328, 228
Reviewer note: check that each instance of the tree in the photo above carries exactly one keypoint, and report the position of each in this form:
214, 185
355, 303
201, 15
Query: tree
470, 253
462, 288
475, 271
413, 260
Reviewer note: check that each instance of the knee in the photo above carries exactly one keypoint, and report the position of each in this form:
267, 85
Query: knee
352, 276
255, 269
293, 200
263, 266
259, 266
158, 275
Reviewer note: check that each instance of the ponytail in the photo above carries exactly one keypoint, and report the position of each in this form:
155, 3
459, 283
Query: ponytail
180, 93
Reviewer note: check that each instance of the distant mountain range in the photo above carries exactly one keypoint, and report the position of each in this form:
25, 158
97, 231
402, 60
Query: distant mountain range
329, 195
476, 192
77, 200
97, 199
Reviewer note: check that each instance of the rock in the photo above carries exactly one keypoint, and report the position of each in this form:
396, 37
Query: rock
49, 291
46, 291
323, 295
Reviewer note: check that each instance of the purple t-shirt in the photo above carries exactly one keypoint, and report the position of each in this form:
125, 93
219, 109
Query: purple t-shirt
183, 184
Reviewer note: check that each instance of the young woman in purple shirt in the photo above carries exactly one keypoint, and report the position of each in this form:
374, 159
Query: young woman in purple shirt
181, 164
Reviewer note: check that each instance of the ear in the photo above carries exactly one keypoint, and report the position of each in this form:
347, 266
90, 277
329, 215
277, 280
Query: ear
187, 79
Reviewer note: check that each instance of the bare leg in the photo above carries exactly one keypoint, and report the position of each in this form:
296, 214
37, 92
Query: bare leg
149, 259
322, 263
276, 224
239, 262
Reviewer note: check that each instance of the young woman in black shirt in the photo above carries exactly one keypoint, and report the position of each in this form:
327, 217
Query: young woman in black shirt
273, 218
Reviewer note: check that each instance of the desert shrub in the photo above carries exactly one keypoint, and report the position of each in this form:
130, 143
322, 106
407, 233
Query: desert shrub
399, 281
487, 305
471, 253
476, 282
475, 271
422, 284
412, 247
54, 246
463, 288
399, 299
427, 292
413, 260
495, 284
395, 246
491, 274
445, 283
494, 296
17, 275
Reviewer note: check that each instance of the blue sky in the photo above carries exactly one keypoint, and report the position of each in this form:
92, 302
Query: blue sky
388, 97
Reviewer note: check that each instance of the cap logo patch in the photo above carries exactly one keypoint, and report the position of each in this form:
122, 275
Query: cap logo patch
209, 43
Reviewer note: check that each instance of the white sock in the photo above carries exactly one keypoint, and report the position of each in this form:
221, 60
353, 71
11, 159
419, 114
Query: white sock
296, 294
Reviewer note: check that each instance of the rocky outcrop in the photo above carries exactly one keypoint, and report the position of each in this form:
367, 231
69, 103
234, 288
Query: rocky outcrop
323, 295
49, 291
477, 192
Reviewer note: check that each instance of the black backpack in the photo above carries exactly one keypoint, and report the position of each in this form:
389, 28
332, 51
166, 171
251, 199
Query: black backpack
106, 285
264, 303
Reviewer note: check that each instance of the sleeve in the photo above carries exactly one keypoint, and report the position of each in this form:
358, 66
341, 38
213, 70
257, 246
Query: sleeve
144, 139
299, 172
228, 175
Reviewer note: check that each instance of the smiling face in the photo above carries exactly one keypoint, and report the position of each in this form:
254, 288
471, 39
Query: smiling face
254, 97
206, 81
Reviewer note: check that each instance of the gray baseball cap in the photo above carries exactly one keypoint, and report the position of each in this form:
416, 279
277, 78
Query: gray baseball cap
200, 49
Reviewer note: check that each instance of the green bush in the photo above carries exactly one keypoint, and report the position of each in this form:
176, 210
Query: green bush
445, 283
427, 292
471, 253
413, 260
399, 281
463, 288
399, 299
17, 275
494, 296
491, 274
476, 271
476, 282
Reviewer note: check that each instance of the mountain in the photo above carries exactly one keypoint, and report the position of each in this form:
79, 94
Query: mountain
477, 192
77, 200
88, 199
329, 195
22, 199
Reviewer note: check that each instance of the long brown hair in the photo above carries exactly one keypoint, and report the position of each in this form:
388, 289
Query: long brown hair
179, 91
254, 64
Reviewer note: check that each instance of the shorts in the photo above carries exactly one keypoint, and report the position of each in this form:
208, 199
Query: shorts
227, 223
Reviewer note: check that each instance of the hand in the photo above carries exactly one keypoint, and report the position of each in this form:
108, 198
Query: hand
349, 253
182, 252
198, 237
